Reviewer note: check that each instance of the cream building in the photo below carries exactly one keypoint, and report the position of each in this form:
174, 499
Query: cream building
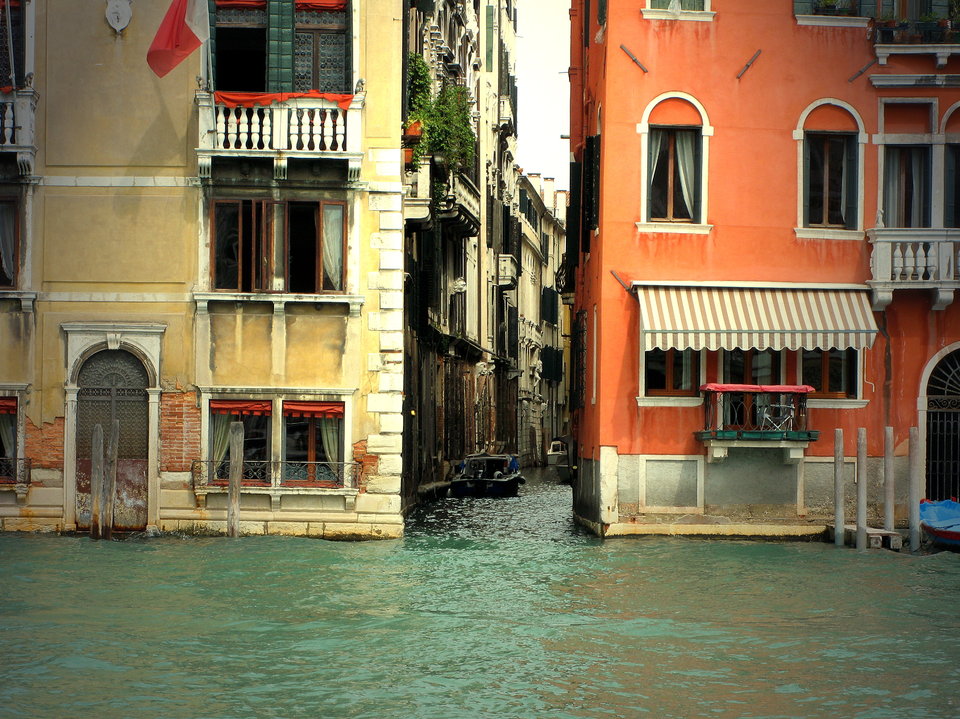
184, 252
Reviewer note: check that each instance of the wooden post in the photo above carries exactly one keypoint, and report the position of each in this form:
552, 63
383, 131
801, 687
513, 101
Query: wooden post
109, 499
862, 488
838, 499
96, 480
236, 473
888, 486
915, 472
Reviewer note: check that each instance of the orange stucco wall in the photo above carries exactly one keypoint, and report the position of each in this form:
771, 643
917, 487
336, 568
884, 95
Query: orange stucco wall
752, 186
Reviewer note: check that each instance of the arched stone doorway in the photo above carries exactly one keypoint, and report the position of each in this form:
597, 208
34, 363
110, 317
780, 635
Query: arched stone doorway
112, 385
943, 428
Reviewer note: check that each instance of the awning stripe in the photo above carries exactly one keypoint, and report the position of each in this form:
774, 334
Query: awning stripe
754, 318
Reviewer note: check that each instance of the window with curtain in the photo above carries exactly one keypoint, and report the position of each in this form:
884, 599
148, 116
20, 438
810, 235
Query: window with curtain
254, 415
674, 174
750, 366
671, 372
9, 246
313, 442
951, 194
249, 234
279, 46
831, 193
694, 5
832, 373
906, 186
8, 438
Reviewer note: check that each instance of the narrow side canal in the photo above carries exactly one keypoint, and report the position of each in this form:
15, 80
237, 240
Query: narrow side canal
486, 609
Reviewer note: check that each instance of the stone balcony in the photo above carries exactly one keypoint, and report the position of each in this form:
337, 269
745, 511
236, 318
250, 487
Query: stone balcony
297, 127
914, 259
18, 110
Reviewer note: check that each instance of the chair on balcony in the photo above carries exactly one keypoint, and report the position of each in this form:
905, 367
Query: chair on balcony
777, 417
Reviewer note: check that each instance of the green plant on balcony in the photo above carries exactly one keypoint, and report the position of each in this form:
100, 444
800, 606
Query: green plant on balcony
450, 127
420, 105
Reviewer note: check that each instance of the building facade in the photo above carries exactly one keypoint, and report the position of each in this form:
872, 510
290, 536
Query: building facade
220, 245
765, 249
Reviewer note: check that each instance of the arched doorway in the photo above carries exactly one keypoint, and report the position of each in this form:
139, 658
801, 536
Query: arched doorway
943, 428
113, 385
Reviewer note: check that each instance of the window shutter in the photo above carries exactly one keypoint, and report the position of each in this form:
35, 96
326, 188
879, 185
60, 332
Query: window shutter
950, 187
601, 11
212, 7
586, 23
697, 213
490, 29
806, 180
280, 32
574, 210
852, 203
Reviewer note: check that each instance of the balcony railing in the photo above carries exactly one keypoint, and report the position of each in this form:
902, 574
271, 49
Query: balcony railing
509, 270
17, 122
15, 475
303, 127
214, 476
916, 37
756, 412
914, 259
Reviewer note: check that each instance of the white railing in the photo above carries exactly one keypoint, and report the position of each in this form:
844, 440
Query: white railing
17, 115
8, 124
908, 258
295, 127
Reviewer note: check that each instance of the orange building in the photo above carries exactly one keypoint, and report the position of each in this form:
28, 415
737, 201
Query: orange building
765, 234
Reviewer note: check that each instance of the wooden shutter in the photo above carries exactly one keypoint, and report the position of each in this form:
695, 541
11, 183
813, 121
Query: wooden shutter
851, 207
950, 187
574, 210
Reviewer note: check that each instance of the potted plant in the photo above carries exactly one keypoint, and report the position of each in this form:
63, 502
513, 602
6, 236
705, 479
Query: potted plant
420, 105
928, 27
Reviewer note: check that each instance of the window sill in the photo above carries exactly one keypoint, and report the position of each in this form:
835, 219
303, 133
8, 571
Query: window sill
833, 20
27, 299
695, 15
676, 228
669, 401
827, 233
279, 299
831, 403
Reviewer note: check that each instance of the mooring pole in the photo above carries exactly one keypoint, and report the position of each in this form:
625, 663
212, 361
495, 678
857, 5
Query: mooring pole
862, 488
915, 472
236, 471
888, 493
838, 521
96, 480
110, 482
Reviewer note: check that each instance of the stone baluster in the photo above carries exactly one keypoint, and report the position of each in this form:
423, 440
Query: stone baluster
340, 130
230, 136
220, 113
7, 125
266, 133
897, 262
255, 141
933, 271
243, 128
321, 130
909, 262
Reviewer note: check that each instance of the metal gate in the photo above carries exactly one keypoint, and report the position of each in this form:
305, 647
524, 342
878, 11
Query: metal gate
113, 385
943, 429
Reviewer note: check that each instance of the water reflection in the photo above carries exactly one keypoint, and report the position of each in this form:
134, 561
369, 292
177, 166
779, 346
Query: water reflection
487, 609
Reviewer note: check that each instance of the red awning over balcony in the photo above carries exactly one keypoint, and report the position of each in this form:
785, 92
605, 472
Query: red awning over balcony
8, 405
241, 406
771, 388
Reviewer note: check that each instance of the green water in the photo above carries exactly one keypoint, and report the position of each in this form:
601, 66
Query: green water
487, 609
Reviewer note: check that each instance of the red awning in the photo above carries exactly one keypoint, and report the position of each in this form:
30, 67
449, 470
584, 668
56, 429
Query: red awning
251, 99
773, 388
241, 406
313, 409
8, 405
301, 4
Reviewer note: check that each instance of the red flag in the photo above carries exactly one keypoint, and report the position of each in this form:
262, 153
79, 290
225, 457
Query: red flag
185, 26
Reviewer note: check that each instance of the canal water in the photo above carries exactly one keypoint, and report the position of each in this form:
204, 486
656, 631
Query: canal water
486, 609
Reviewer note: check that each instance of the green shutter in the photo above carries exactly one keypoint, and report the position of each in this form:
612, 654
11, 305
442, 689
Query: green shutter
950, 187
212, 4
490, 27
853, 196
280, 32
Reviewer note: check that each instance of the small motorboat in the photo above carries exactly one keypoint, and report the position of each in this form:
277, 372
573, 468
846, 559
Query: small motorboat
941, 522
558, 457
487, 475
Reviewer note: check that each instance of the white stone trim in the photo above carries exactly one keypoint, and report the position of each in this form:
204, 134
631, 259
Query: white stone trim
833, 21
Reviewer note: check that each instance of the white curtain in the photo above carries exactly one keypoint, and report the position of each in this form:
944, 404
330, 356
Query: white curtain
8, 240
656, 142
220, 432
332, 435
8, 435
685, 164
333, 247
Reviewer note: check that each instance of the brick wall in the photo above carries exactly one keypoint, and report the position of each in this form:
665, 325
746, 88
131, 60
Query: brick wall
368, 463
179, 431
44, 444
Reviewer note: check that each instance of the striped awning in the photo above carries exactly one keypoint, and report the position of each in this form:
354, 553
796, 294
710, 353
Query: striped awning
704, 317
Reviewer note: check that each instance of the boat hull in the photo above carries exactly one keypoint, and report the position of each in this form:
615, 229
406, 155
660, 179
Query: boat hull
508, 487
940, 521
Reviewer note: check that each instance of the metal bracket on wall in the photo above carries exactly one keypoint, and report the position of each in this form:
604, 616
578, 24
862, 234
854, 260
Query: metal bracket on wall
634, 58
